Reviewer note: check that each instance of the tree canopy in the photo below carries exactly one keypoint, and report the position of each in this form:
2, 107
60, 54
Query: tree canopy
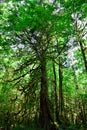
43, 68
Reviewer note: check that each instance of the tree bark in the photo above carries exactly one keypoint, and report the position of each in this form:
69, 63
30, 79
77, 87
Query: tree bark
61, 100
55, 90
44, 112
81, 46
83, 54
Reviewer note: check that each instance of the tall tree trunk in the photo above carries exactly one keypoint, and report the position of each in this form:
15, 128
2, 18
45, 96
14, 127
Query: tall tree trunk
81, 45
55, 90
61, 100
44, 112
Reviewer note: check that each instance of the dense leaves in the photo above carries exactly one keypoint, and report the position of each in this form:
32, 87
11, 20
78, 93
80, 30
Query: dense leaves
43, 68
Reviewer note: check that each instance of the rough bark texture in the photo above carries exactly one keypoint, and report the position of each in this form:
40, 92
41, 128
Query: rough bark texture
44, 112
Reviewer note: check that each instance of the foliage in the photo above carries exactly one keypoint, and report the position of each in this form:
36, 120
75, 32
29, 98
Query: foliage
43, 54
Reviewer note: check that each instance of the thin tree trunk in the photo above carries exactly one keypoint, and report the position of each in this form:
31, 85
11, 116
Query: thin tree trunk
81, 46
83, 54
61, 100
56, 97
75, 78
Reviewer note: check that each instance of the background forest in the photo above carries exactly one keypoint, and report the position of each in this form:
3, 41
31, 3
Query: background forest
43, 65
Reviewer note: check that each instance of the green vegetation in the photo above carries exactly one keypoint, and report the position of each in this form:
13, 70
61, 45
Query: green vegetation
43, 65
